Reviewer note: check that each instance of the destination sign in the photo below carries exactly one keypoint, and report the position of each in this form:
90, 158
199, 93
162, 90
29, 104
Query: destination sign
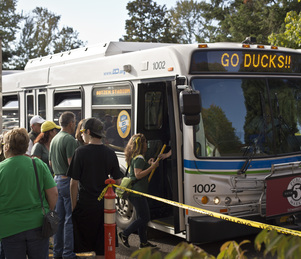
239, 61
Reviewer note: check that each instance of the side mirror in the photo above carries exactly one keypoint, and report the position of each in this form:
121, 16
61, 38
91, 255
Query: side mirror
190, 106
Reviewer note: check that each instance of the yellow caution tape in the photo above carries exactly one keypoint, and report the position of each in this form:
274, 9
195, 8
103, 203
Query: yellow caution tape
246, 222
104, 192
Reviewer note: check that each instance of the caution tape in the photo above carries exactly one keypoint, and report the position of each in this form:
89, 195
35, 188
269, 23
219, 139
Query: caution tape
104, 192
246, 222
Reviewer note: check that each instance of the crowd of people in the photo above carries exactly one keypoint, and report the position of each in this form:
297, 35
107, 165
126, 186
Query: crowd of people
72, 173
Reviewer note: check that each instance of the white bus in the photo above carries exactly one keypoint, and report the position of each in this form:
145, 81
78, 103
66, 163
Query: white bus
230, 113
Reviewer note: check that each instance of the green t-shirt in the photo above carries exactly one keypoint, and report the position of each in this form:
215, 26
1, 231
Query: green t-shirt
142, 184
41, 151
20, 204
62, 147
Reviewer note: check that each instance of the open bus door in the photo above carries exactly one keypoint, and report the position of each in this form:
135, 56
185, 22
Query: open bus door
156, 121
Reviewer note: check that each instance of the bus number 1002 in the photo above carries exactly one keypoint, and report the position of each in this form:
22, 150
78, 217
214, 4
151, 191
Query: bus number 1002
199, 188
159, 65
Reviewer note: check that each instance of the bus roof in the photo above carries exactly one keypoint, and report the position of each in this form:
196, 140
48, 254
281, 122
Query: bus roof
90, 52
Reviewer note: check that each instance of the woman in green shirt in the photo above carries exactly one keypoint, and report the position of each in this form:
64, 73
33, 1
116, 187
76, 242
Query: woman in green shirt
139, 171
42, 142
21, 214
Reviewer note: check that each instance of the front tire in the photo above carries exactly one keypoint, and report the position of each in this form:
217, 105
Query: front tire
125, 213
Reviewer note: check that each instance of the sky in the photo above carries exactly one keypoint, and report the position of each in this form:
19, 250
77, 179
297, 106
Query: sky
96, 21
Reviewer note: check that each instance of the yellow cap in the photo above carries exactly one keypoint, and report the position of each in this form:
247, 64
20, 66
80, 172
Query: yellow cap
49, 125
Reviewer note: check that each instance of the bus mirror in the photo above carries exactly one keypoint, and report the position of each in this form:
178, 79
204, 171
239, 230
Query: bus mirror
190, 106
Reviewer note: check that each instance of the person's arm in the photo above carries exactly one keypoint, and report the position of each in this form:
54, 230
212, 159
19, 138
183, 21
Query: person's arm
139, 173
73, 192
51, 197
165, 155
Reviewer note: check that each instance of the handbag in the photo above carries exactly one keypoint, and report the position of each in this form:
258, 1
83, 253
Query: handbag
51, 219
126, 182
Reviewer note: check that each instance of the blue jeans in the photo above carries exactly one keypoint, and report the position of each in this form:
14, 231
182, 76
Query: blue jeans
63, 240
29, 243
143, 217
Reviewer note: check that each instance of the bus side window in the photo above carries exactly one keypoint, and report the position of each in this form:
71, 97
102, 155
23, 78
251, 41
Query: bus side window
67, 101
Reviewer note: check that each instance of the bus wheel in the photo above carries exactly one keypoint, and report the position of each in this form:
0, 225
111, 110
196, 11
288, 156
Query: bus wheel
125, 213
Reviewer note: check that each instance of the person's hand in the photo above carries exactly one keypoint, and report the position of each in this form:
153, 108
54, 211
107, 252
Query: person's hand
162, 156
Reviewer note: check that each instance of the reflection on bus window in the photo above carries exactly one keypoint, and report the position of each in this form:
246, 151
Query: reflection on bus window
109, 118
153, 110
259, 124
10, 112
67, 101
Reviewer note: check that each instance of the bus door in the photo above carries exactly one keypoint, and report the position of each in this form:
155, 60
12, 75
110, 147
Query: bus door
35, 104
157, 124
68, 99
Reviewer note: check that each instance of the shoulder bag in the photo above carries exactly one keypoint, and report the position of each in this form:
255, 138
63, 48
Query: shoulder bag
126, 182
51, 219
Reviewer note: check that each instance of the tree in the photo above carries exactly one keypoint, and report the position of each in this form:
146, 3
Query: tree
40, 36
148, 22
188, 22
9, 21
67, 39
291, 37
236, 19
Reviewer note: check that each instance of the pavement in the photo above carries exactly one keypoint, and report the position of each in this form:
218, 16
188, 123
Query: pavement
165, 244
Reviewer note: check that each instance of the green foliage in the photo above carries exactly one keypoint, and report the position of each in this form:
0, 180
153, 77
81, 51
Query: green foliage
148, 22
291, 37
236, 19
284, 246
229, 250
9, 25
187, 21
41, 36
232, 249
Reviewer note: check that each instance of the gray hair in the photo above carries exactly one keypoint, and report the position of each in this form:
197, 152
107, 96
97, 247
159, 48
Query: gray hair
66, 118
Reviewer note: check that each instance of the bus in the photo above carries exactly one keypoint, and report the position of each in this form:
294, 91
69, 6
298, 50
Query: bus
229, 112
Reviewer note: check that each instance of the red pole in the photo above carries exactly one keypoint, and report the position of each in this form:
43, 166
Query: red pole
109, 221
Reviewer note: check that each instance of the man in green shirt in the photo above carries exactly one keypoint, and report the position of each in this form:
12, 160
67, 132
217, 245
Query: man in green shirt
61, 150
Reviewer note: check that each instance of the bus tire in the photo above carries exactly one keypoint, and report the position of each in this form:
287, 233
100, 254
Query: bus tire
125, 213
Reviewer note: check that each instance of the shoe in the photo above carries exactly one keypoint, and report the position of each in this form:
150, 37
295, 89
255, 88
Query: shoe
124, 240
147, 244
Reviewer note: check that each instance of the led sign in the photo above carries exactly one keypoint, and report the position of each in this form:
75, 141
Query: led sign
245, 61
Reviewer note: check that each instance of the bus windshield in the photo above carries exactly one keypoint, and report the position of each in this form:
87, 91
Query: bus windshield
248, 116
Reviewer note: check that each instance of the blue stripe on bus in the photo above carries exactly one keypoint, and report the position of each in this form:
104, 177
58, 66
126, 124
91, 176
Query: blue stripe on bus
234, 165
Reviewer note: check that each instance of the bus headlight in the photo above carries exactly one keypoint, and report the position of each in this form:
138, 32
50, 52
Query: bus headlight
216, 200
227, 200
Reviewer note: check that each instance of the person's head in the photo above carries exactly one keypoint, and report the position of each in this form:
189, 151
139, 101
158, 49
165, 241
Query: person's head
48, 131
15, 142
93, 128
35, 123
137, 145
67, 121
78, 134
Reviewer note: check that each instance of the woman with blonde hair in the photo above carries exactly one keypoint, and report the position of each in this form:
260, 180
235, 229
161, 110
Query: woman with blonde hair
21, 214
139, 171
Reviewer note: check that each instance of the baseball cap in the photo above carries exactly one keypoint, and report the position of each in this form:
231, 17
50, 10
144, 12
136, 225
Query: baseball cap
95, 126
36, 119
49, 125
